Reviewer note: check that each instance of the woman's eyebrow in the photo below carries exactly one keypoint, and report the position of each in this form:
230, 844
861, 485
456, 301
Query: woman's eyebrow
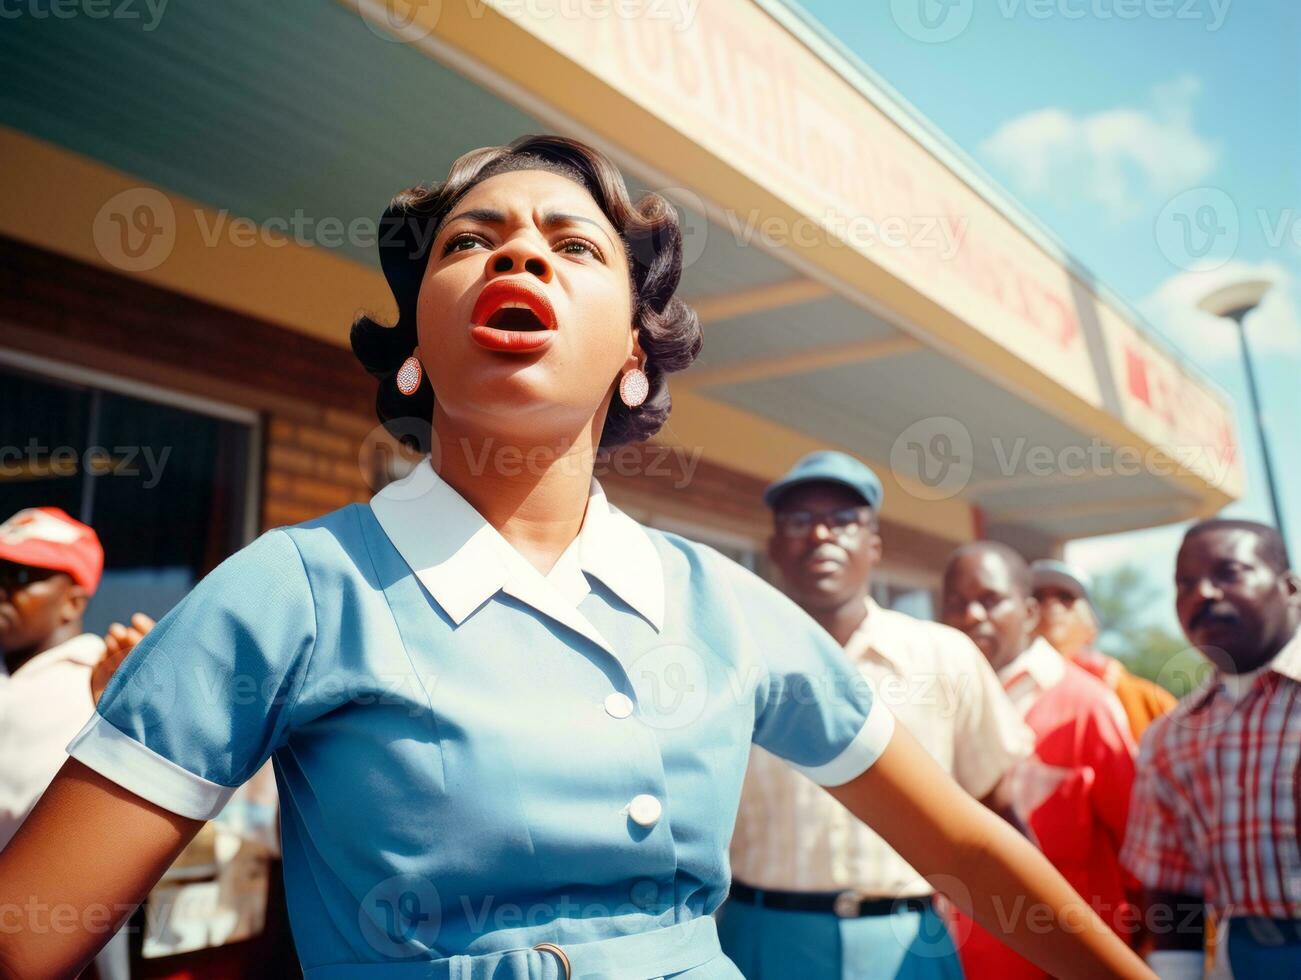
562, 218
489, 216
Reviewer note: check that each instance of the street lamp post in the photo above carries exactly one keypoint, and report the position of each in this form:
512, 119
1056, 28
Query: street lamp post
1234, 302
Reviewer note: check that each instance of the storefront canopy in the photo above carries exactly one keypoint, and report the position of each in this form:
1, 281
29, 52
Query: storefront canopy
863, 288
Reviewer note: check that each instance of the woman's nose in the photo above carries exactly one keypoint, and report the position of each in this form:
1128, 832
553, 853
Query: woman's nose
520, 255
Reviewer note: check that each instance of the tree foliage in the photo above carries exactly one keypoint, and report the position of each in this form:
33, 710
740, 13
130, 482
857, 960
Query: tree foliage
1123, 601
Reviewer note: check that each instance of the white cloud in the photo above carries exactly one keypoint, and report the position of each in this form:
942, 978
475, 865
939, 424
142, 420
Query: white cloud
1117, 159
1274, 328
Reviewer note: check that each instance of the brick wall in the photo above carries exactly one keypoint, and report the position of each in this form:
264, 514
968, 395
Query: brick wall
314, 400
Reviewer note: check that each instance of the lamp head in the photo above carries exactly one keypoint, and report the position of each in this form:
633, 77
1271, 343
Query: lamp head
1235, 300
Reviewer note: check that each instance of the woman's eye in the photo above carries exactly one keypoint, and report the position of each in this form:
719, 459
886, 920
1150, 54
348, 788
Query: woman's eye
461, 242
578, 246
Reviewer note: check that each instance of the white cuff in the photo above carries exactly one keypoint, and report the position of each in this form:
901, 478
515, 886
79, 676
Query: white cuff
1177, 964
136, 767
859, 754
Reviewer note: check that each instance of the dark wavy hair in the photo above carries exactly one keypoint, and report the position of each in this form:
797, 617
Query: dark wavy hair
669, 331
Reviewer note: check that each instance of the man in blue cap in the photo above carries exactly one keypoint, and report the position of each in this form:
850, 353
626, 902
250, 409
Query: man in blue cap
816, 893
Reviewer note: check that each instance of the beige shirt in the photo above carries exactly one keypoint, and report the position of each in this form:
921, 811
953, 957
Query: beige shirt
42, 705
793, 835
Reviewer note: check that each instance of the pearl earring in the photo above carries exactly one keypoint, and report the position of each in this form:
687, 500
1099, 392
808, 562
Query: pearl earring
634, 386
409, 375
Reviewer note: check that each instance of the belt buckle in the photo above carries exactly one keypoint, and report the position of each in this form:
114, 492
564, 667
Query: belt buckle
847, 904
559, 954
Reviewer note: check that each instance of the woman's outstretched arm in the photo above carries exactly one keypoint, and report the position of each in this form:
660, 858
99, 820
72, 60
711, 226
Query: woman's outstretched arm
84, 858
983, 865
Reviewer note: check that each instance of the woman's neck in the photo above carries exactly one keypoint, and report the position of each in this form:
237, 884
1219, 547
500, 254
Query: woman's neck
534, 494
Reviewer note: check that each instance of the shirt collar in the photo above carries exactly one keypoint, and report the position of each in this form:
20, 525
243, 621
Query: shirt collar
463, 560
874, 636
1286, 662
1040, 662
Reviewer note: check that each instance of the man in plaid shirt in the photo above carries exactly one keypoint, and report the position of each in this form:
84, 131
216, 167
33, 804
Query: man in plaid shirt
1213, 821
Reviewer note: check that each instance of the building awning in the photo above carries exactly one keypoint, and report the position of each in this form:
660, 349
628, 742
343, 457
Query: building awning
862, 287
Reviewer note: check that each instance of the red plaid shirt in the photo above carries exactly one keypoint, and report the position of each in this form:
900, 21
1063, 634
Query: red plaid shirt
1216, 800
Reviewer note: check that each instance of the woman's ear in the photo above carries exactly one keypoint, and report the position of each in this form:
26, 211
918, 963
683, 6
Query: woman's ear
637, 358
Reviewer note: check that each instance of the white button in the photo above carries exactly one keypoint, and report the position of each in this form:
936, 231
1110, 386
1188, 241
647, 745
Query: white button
645, 810
618, 705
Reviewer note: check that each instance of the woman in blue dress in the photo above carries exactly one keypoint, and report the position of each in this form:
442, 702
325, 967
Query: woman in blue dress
509, 724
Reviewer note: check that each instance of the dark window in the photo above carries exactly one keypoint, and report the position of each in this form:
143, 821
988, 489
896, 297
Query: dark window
165, 488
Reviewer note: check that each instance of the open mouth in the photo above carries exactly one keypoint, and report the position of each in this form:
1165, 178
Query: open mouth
515, 316
512, 316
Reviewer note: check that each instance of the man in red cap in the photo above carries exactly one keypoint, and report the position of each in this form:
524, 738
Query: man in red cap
50, 566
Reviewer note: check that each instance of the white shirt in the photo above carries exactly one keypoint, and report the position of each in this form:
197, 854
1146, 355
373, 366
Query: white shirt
792, 835
42, 706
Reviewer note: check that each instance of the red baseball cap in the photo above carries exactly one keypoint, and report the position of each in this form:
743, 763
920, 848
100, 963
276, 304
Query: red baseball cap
46, 537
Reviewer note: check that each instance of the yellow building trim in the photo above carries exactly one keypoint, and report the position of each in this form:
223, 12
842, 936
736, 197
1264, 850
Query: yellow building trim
800, 362
1089, 508
76, 206
742, 302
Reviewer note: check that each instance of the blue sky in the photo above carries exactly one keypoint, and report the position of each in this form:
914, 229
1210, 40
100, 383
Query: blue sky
1106, 119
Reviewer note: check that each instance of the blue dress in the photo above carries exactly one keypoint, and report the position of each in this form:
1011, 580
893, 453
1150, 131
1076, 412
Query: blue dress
473, 758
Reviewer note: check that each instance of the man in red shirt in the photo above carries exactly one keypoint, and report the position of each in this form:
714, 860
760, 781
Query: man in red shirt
1072, 794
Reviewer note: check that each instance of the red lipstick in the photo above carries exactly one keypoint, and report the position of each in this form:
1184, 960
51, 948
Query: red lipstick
512, 315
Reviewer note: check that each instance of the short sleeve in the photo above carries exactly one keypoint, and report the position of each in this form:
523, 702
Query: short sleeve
203, 701
812, 707
1156, 849
989, 734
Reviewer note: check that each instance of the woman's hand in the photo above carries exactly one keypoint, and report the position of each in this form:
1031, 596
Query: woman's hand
118, 641
982, 865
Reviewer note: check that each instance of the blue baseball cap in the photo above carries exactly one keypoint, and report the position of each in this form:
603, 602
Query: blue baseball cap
828, 466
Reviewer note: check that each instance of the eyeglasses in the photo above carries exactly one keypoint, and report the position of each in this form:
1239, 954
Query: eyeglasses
14, 577
847, 522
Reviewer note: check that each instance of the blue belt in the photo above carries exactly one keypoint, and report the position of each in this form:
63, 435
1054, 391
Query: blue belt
636, 957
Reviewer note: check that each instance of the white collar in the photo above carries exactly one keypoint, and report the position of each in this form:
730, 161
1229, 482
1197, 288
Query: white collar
1040, 661
463, 560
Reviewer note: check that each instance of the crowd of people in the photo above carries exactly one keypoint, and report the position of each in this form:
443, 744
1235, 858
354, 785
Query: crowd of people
1173, 819
458, 687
